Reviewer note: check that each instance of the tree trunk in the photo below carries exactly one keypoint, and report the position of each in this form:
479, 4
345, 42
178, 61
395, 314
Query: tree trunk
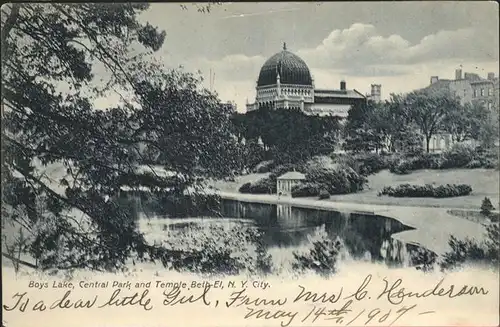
427, 141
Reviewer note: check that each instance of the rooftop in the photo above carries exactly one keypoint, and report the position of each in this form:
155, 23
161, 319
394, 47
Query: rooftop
292, 175
322, 93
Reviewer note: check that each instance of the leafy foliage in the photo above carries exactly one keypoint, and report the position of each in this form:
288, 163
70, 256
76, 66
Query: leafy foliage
428, 110
364, 164
465, 121
458, 156
288, 134
323, 194
217, 249
486, 206
471, 252
52, 54
462, 252
322, 255
306, 190
337, 180
405, 122
426, 191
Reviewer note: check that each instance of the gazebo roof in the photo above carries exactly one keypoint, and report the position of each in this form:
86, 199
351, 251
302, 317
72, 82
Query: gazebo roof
292, 175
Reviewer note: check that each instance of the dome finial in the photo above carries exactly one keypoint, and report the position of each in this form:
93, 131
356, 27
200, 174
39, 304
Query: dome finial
284, 45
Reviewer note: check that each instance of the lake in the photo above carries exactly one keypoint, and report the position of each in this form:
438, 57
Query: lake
285, 228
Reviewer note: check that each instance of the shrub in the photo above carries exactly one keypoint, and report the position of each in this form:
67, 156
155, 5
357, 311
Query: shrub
423, 259
470, 251
323, 194
306, 190
474, 164
364, 163
337, 180
486, 207
426, 191
458, 156
372, 163
245, 188
263, 186
406, 165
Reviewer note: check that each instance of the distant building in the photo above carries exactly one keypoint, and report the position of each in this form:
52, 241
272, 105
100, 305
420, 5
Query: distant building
376, 93
285, 82
469, 88
288, 180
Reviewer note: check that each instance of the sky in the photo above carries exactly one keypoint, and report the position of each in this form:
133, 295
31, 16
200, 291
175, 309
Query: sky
396, 44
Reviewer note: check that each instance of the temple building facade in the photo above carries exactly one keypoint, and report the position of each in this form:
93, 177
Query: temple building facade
285, 81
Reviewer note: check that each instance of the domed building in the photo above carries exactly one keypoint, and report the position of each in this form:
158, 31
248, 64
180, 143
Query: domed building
285, 81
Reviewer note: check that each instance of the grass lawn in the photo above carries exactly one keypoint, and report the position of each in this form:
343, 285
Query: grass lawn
484, 183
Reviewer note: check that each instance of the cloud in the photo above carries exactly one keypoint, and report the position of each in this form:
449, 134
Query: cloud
361, 46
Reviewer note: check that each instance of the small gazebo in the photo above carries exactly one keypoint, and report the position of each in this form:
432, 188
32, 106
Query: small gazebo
288, 180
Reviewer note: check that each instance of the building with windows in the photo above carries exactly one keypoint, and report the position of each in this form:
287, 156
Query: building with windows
285, 82
471, 87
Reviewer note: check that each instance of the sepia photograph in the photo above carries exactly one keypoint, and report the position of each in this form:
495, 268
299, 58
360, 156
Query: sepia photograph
250, 164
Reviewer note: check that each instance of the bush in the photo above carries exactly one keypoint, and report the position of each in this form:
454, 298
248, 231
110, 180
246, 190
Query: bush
426, 191
306, 190
263, 186
323, 194
245, 188
459, 156
406, 165
337, 180
486, 207
364, 163
470, 251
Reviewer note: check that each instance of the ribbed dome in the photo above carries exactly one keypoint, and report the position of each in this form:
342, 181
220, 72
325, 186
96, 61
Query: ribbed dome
291, 68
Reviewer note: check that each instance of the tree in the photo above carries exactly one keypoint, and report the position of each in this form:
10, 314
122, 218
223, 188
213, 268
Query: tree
428, 110
50, 55
486, 206
289, 134
465, 121
364, 129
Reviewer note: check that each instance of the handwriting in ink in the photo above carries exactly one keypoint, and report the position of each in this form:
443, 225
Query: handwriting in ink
63, 303
396, 294
66, 303
361, 292
239, 298
307, 296
268, 314
136, 299
174, 296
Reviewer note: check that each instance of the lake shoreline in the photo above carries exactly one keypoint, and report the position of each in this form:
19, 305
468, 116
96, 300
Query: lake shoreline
432, 226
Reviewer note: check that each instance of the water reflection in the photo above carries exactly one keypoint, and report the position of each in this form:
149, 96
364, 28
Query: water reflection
365, 236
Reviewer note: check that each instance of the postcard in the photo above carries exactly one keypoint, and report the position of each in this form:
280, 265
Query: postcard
267, 164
